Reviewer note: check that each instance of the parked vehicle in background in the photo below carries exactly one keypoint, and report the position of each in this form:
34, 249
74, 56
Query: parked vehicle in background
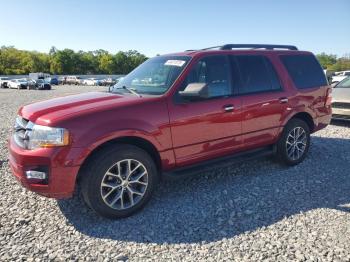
340, 76
31, 84
42, 85
91, 82
329, 74
18, 83
39, 75
4, 81
341, 100
171, 116
109, 81
62, 80
53, 81
73, 80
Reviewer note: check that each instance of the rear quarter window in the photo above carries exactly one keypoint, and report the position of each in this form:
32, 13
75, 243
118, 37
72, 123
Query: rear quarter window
304, 70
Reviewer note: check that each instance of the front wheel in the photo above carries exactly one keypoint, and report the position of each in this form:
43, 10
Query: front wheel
119, 181
294, 142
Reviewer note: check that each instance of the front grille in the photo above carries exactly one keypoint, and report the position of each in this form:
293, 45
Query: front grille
341, 105
21, 127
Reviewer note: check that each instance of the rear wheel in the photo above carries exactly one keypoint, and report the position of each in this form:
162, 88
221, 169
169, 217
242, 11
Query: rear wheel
294, 143
119, 181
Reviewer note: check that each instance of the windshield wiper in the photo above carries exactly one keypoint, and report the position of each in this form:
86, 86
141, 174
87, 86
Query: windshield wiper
131, 90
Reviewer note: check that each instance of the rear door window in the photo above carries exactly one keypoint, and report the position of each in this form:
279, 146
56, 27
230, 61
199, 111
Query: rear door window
304, 70
257, 74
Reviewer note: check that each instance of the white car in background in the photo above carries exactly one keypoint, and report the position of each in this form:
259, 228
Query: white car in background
340, 76
18, 83
91, 82
4, 81
341, 100
73, 80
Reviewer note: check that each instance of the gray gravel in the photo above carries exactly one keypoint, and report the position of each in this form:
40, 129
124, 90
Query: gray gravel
246, 212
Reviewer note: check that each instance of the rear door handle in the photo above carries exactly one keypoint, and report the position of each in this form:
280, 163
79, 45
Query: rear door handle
283, 100
229, 108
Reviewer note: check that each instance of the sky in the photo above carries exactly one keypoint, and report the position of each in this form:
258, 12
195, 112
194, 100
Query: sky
160, 27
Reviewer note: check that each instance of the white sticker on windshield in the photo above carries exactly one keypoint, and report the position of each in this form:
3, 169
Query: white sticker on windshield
178, 63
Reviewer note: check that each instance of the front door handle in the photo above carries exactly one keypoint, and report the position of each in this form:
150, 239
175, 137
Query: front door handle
283, 100
229, 108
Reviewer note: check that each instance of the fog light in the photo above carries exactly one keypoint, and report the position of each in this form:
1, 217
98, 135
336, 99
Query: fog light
32, 174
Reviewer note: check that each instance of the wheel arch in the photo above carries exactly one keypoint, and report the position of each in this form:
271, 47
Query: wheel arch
307, 118
129, 140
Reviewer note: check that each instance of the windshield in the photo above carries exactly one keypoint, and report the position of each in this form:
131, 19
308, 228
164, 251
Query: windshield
153, 77
344, 84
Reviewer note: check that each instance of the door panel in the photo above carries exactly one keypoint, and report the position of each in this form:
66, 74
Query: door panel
202, 130
262, 114
206, 127
264, 101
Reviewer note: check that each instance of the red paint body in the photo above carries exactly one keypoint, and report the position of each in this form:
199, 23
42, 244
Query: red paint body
183, 134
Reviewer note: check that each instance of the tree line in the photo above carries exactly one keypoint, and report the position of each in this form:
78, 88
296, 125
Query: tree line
67, 61
334, 63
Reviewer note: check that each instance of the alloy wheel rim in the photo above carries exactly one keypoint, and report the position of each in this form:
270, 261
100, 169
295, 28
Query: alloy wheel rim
124, 184
296, 143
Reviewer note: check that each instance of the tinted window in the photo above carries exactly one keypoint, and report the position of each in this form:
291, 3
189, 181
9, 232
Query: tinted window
257, 74
213, 70
304, 70
275, 81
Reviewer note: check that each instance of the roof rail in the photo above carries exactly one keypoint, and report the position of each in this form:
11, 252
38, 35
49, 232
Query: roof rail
258, 46
253, 46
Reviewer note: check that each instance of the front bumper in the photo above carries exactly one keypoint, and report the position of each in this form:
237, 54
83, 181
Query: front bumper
61, 176
341, 113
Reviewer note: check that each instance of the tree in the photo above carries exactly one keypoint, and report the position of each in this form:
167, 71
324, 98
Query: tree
106, 63
67, 61
326, 61
342, 64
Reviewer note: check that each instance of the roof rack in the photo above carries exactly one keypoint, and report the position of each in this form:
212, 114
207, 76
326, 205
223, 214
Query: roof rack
257, 46
253, 46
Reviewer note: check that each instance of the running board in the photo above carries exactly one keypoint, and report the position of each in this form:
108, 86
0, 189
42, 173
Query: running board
221, 162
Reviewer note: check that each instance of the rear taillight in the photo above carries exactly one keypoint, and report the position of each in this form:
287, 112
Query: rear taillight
328, 101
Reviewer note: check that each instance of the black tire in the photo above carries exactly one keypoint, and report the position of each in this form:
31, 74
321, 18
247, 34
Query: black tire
94, 173
281, 152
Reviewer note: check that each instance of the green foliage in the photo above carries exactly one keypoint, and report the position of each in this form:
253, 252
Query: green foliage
326, 60
66, 61
331, 62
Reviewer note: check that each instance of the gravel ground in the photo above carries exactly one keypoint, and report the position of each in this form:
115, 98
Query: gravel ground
246, 212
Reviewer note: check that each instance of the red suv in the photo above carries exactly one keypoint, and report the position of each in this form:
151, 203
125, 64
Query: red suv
172, 115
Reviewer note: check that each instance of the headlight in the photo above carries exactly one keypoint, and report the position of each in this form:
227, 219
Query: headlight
45, 136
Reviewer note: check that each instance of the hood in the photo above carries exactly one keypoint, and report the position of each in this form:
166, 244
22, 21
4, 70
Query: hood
50, 111
341, 95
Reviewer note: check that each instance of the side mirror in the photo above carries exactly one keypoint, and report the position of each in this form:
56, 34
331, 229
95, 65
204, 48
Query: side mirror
195, 91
